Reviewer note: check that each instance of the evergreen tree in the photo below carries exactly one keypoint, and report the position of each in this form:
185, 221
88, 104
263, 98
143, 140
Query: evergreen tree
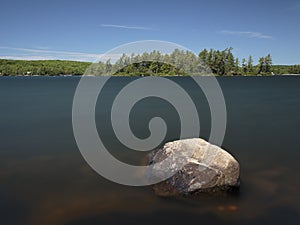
108, 67
261, 65
268, 63
203, 55
178, 62
244, 66
250, 65
229, 61
237, 67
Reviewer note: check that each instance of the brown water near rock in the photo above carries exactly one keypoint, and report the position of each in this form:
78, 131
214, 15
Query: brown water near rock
45, 180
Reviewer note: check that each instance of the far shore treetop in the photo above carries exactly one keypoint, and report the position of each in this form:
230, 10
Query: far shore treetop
183, 63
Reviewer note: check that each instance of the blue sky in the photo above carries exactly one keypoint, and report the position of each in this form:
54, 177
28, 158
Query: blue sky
82, 30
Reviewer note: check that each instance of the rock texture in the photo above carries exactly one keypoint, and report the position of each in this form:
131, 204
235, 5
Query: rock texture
197, 166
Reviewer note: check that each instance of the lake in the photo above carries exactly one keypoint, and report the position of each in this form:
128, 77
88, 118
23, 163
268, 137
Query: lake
45, 180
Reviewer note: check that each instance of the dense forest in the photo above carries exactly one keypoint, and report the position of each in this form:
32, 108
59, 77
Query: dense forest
42, 67
178, 62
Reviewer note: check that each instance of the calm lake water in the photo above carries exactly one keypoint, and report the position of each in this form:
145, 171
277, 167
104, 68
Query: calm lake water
45, 180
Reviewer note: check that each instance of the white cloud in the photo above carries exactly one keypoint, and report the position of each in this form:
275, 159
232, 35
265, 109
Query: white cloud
43, 47
26, 57
294, 7
125, 27
247, 34
39, 54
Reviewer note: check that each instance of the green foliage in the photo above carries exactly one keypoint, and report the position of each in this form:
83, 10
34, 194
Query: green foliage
250, 68
42, 67
265, 65
149, 68
220, 62
286, 69
178, 62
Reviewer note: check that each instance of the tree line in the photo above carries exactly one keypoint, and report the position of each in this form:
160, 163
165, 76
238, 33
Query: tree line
42, 67
224, 63
179, 62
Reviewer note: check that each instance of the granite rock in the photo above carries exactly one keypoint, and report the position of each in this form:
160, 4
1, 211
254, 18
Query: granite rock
197, 166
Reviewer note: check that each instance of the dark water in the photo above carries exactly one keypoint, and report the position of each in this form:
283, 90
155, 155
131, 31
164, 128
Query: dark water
44, 179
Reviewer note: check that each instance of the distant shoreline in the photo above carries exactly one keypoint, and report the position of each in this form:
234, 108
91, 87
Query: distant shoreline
77, 68
71, 75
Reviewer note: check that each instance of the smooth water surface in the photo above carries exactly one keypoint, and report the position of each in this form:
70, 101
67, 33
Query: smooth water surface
45, 180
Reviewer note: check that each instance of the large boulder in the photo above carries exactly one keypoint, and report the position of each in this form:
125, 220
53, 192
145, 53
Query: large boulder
196, 165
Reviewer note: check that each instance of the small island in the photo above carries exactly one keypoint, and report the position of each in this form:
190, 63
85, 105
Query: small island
177, 63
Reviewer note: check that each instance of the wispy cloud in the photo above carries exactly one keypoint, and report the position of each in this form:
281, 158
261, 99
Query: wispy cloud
125, 27
294, 7
42, 47
247, 34
26, 57
39, 54
47, 51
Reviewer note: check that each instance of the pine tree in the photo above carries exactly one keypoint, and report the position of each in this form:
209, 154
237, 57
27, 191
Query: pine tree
261, 65
203, 55
237, 66
244, 66
229, 61
268, 63
250, 65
